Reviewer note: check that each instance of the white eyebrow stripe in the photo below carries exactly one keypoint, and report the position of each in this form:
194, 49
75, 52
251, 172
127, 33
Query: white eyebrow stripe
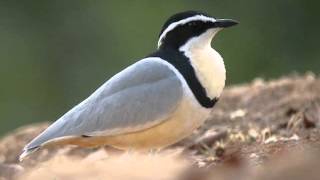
181, 22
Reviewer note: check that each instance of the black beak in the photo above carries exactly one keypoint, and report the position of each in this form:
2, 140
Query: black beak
224, 23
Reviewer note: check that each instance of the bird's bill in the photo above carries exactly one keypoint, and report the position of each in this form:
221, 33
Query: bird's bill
224, 23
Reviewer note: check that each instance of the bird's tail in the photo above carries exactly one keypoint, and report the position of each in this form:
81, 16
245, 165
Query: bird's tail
27, 151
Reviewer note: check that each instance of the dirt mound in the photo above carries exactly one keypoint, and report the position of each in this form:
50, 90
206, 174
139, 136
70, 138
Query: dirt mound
261, 130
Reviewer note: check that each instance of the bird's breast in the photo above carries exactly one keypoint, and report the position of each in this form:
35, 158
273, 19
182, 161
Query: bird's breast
210, 70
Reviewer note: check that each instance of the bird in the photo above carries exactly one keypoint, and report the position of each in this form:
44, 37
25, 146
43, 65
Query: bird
155, 102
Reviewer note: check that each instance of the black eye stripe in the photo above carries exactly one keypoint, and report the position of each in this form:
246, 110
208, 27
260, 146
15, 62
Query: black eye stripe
180, 16
192, 23
184, 31
195, 23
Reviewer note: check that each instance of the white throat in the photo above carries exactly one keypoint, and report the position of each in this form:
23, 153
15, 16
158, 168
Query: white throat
208, 64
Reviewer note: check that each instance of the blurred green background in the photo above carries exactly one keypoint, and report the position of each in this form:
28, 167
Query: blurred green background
53, 54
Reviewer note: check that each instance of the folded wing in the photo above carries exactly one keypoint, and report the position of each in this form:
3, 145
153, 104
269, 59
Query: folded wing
141, 96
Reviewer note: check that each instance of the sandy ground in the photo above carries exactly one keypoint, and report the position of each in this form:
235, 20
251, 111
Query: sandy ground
262, 130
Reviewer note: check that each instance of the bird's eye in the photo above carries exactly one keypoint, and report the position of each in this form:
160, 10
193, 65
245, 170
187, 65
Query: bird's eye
192, 23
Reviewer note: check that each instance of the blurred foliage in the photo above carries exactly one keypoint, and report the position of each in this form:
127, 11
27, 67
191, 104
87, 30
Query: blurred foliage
53, 54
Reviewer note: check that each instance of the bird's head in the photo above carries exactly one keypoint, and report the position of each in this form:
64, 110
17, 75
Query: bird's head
191, 28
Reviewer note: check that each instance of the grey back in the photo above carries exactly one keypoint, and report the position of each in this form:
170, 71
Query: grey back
139, 97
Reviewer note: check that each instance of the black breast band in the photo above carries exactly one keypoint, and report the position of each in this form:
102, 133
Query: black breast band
182, 64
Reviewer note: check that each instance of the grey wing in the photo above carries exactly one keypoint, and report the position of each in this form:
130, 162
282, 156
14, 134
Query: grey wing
139, 97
